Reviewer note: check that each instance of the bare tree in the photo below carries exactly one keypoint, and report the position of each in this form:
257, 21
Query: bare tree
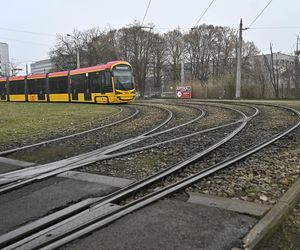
94, 47
297, 72
157, 62
273, 70
63, 55
135, 46
258, 73
208, 52
103, 48
174, 50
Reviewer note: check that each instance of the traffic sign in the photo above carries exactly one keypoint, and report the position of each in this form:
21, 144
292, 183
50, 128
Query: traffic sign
184, 92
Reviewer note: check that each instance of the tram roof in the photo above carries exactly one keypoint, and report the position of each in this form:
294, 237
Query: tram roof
96, 68
36, 76
16, 78
108, 65
57, 74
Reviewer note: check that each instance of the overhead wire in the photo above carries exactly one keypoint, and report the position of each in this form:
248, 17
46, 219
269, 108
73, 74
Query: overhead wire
198, 21
249, 26
21, 41
29, 32
275, 27
146, 12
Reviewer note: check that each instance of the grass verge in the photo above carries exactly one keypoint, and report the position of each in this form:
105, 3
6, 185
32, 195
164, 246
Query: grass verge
19, 121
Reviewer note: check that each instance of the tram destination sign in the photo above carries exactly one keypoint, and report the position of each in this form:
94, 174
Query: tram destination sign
184, 92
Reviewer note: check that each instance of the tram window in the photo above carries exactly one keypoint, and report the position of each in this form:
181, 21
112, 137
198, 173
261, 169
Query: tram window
58, 85
95, 82
2, 90
100, 82
78, 83
36, 86
108, 85
17, 87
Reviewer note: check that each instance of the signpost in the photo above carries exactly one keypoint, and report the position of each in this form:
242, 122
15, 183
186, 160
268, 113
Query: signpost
184, 92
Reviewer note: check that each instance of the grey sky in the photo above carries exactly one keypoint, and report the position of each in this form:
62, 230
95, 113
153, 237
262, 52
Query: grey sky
63, 16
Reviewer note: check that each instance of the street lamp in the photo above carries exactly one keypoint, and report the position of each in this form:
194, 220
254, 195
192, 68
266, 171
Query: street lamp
15, 70
77, 50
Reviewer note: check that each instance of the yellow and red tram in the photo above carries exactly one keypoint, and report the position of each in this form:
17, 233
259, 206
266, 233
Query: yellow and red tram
109, 83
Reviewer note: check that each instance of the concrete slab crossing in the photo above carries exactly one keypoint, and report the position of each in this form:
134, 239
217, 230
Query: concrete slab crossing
243, 207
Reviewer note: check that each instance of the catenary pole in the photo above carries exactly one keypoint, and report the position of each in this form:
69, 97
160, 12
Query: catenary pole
182, 64
78, 59
238, 65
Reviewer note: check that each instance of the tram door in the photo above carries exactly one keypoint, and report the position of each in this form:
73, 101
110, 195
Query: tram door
74, 90
41, 89
87, 89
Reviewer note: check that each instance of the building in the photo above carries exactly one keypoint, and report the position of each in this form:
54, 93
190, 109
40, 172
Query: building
4, 60
283, 64
41, 67
280, 60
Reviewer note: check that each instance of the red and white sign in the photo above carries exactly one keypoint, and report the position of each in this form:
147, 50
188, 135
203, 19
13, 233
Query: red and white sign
184, 92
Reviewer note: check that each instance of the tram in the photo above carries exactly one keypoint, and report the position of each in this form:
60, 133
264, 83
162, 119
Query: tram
108, 83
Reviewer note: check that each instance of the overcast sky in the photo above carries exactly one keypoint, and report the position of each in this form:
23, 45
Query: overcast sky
53, 17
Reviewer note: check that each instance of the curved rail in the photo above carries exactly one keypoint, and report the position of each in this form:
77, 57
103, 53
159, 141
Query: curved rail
6, 152
37, 226
104, 150
149, 134
59, 240
12, 180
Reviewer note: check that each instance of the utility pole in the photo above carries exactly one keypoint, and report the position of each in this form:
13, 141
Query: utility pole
77, 50
182, 64
297, 67
238, 65
182, 72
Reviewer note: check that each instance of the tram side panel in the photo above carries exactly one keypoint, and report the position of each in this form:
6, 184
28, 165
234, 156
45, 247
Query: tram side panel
58, 89
92, 87
94, 84
36, 88
17, 90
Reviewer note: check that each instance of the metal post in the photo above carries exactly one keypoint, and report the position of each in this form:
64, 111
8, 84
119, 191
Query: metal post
182, 64
78, 62
297, 68
239, 60
77, 51
182, 72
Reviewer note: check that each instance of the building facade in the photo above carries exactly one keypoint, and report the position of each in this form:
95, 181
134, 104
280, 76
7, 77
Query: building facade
4, 60
41, 67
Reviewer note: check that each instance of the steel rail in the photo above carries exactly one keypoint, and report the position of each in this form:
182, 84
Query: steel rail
11, 181
10, 151
38, 225
150, 134
33, 172
146, 200
20, 171
8, 177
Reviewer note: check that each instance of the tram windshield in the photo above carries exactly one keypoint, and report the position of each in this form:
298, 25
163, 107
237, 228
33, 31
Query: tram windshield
123, 77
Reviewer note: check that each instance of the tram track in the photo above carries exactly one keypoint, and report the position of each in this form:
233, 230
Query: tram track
10, 151
84, 143
53, 237
102, 151
223, 141
18, 178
